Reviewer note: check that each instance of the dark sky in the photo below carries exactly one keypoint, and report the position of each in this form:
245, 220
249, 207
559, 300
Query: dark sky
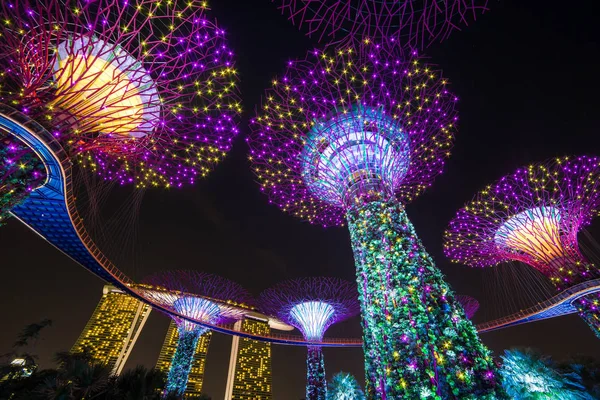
526, 74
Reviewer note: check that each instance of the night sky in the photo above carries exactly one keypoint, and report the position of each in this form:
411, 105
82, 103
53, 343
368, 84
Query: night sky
527, 77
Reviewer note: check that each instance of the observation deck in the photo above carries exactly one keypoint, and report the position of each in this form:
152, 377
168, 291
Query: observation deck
50, 211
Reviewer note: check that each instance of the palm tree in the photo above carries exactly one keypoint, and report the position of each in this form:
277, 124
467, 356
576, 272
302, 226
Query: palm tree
344, 386
31, 332
528, 375
588, 368
139, 383
79, 375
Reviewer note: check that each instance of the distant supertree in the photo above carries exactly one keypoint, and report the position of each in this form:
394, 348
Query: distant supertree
21, 171
470, 304
534, 216
312, 305
140, 91
414, 23
197, 295
344, 386
353, 136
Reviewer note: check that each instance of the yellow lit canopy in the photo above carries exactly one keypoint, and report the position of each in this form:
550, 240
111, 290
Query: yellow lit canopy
535, 232
105, 89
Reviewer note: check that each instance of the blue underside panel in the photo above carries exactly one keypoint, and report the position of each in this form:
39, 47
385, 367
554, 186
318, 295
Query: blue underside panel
45, 210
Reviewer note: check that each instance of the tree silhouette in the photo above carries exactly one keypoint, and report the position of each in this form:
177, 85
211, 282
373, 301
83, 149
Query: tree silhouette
344, 386
530, 376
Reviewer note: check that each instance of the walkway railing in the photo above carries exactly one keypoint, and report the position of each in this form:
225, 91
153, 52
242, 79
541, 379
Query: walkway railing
529, 314
51, 212
56, 196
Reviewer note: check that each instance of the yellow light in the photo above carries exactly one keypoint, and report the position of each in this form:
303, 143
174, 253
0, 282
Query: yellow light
535, 232
99, 94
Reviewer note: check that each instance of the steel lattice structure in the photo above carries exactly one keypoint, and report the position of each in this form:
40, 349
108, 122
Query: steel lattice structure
140, 91
412, 23
21, 171
312, 305
534, 216
321, 103
352, 135
201, 296
470, 304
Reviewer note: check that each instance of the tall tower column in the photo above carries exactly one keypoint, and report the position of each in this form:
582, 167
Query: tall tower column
113, 329
249, 376
417, 341
195, 378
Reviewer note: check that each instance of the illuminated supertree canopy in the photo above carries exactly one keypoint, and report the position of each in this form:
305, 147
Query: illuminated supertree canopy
469, 304
140, 91
415, 23
534, 216
21, 171
201, 296
312, 305
352, 135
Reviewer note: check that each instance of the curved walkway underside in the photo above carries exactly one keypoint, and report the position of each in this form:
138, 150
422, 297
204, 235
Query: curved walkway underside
50, 211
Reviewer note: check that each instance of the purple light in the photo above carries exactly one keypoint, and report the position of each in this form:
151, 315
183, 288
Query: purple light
412, 23
119, 89
197, 295
312, 304
378, 124
531, 216
314, 317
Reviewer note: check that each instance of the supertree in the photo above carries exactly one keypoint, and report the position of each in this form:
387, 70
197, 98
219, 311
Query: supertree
354, 135
21, 171
469, 304
534, 216
312, 305
200, 296
139, 91
413, 23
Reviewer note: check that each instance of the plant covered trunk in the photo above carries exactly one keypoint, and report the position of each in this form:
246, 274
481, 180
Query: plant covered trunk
316, 384
181, 365
418, 344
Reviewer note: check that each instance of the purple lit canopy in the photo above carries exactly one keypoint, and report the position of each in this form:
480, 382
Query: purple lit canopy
533, 216
349, 124
414, 23
141, 92
197, 295
470, 304
311, 304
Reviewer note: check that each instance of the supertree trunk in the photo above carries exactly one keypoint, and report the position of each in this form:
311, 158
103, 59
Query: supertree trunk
418, 344
181, 365
316, 384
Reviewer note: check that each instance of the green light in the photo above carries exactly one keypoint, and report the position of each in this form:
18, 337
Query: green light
418, 343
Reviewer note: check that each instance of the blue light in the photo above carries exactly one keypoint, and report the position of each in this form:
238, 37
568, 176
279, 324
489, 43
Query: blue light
196, 308
351, 153
181, 364
314, 317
